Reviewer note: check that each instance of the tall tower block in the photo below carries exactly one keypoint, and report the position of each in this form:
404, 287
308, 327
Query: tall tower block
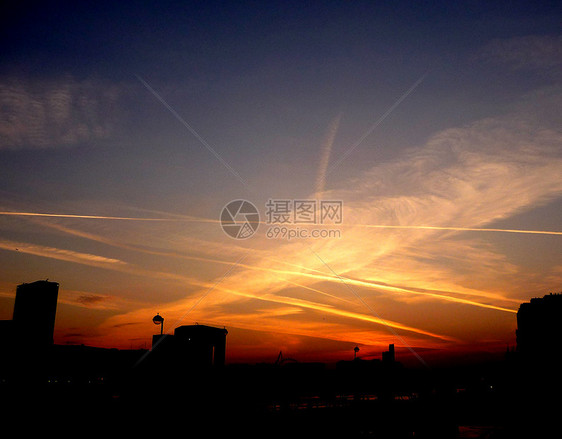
35, 309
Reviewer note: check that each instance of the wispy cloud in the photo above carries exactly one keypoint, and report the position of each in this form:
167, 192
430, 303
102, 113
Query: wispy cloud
526, 52
61, 254
55, 113
95, 301
325, 155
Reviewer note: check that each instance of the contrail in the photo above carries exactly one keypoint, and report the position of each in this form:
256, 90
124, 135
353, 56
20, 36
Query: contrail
373, 312
121, 266
63, 255
189, 219
121, 218
311, 274
192, 131
377, 123
327, 309
462, 229
325, 157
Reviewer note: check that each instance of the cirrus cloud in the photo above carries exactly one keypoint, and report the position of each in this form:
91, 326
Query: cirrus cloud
55, 113
526, 52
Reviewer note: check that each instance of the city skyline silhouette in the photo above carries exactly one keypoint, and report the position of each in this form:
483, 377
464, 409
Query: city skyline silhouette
192, 360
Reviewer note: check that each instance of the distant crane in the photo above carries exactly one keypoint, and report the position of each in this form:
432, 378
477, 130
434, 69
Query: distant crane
280, 360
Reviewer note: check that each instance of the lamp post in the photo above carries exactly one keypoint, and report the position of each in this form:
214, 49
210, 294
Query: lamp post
159, 320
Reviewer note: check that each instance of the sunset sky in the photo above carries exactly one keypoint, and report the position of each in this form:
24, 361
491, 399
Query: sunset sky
126, 127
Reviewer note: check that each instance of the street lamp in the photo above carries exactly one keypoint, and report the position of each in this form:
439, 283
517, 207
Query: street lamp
159, 320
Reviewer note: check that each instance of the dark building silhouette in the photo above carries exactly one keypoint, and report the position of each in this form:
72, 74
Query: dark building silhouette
388, 357
202, 344
192, 345
27, 339
539, 328
33, 322
359, 368
7, 334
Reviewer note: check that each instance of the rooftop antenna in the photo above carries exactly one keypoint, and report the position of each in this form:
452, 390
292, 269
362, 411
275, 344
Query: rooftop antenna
159, 320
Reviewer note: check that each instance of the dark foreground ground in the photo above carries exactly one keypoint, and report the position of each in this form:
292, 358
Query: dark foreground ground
103, 392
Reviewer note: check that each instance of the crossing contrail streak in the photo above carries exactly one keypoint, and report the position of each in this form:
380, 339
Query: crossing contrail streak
101, 217
189, 219
377, 123
464, 229
373, 312
192, 131
285, 300
304, 272
325, 157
